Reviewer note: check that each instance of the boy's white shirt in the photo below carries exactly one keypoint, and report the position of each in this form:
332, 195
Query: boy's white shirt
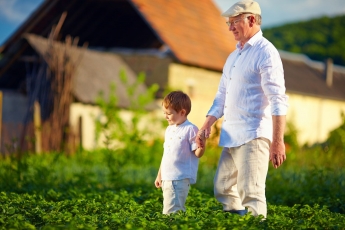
179, 161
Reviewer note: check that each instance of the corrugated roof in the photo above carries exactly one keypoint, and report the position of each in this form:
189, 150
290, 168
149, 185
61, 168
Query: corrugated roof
194, 30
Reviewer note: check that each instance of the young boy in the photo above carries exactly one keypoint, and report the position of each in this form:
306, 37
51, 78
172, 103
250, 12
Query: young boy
181, 155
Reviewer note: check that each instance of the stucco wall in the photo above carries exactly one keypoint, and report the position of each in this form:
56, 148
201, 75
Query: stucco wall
89, 113
200, 84
314, 117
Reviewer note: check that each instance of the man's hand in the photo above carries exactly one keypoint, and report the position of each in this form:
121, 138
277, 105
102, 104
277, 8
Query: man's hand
277, 153
205, 131
201, 138
277, 149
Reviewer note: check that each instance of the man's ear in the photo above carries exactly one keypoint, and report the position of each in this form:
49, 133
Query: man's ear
252, 20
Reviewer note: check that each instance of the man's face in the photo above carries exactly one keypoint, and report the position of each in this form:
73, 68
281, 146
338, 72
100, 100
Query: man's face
239, 26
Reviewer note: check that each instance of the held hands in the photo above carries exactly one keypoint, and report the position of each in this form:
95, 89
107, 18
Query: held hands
202, 135
200, 140
277, 153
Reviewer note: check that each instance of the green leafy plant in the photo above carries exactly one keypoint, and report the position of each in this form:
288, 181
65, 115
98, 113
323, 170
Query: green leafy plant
291, 138
336, 138
125, 136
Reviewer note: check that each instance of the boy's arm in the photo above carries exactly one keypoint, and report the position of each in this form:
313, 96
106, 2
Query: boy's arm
158, 181
199, 152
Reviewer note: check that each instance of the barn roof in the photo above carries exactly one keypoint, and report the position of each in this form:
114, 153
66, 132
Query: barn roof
95, 72
307, 77
192, 31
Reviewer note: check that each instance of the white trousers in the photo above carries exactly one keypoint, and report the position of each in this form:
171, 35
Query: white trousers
240, 179
175, 193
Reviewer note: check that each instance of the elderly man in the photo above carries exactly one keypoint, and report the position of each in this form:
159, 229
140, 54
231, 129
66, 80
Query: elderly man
251, 98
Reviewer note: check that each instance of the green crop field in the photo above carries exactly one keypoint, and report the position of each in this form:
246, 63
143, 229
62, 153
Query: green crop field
108, 189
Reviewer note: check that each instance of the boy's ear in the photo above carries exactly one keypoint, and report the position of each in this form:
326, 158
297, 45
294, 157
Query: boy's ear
183, 112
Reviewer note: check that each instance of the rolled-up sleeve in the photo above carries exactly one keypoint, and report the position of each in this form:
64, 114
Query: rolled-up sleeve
217, 108
273, 83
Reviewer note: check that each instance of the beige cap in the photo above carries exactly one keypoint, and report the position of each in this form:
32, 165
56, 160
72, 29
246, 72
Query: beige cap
245, 6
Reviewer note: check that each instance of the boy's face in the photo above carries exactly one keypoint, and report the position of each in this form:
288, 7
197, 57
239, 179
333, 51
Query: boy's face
173, 117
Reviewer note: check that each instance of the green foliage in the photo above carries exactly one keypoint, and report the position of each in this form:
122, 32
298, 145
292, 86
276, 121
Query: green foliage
116, 129
330, 154
307, 186
291, 137
336, 139
75, 192
123, 137
319, 38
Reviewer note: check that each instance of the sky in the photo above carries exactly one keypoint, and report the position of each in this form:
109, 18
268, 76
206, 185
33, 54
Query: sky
274, 12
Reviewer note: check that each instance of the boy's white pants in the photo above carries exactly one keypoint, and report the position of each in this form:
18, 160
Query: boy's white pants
175, 193
240, 179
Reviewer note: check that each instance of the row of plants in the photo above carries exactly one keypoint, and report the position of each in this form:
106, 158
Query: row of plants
80, 192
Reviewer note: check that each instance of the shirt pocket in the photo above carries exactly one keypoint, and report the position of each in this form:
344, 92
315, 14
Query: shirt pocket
180, 140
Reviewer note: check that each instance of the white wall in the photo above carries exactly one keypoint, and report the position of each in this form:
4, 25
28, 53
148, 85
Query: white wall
89, 113
200, 84
314, 117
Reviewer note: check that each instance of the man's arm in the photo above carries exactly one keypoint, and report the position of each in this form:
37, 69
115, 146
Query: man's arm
277, 149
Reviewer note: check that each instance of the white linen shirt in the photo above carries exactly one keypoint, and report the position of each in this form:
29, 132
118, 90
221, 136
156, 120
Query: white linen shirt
251, 90
179, 161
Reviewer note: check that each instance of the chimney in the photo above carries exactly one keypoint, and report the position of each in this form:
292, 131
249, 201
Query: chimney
329, 72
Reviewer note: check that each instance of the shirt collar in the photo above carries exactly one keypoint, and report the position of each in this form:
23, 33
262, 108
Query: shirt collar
252, 40
182, 124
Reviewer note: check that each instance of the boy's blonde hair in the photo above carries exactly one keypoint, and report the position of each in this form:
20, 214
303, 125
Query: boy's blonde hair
177, 100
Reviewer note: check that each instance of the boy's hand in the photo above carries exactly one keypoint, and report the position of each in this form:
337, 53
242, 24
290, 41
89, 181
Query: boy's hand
200, 140
158, 182
201, 143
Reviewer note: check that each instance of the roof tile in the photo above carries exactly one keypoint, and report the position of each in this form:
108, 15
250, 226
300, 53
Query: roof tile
194, 30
